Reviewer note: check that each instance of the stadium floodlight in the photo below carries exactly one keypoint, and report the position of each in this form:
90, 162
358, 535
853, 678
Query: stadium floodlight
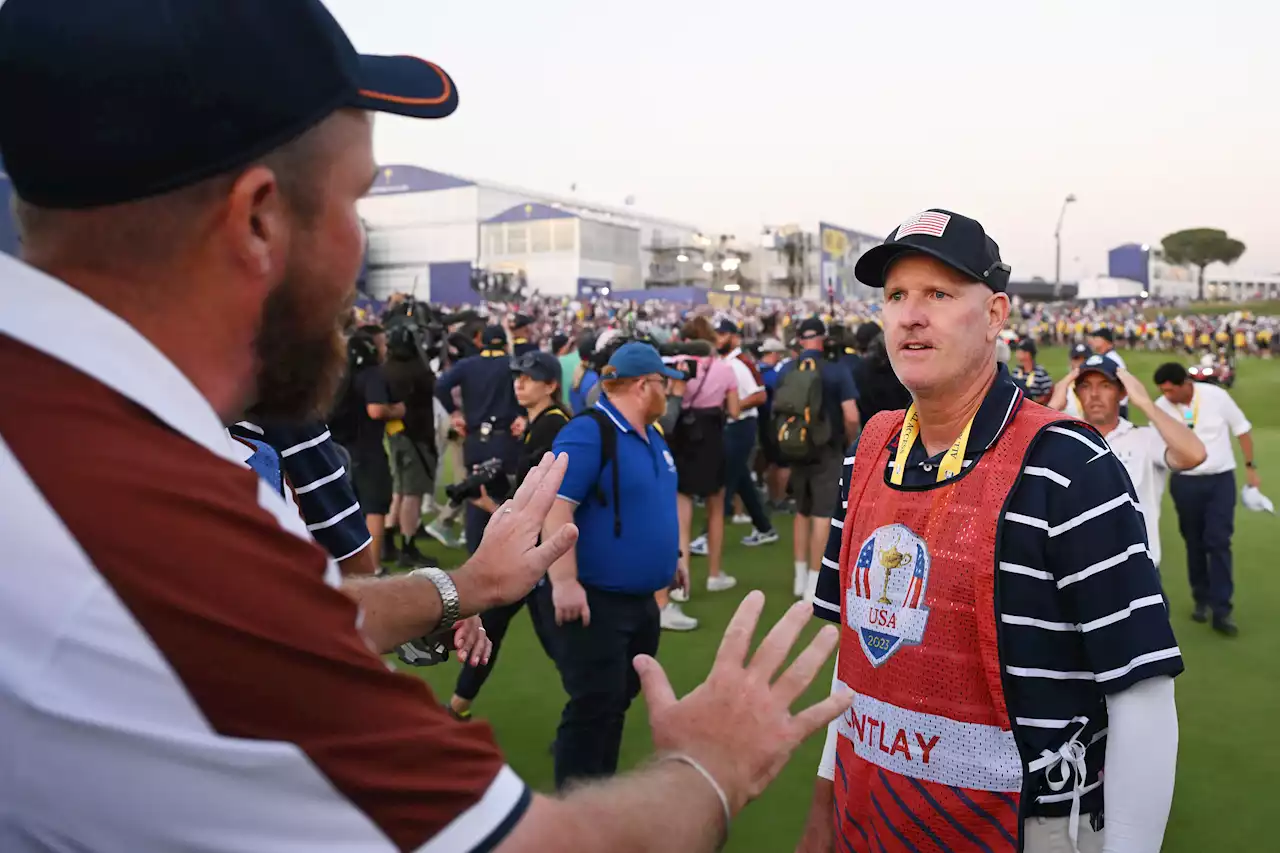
731, 287
682, 258
708, 266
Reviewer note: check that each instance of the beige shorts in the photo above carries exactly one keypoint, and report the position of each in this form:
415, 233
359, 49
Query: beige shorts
1050, 835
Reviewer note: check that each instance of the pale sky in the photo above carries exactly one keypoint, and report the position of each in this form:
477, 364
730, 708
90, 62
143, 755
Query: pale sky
1157, 114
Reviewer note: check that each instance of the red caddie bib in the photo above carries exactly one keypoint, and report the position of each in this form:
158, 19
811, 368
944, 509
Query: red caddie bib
926, 757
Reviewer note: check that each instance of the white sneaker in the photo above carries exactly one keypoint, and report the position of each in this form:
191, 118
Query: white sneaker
679, 595
673, 618
811, 587
800, 584
757, 538
720, 583
698, 547
740, 519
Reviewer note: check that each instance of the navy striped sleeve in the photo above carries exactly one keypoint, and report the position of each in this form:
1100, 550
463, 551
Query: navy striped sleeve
317, 472
1080, 599
826, 599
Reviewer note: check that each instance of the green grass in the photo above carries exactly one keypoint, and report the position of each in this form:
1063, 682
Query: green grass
1259, 308
1229, 760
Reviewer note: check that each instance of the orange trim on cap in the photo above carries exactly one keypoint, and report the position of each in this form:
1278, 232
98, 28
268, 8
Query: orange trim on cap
416, 102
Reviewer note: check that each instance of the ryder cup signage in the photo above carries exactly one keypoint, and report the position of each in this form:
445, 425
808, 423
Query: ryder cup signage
885, 601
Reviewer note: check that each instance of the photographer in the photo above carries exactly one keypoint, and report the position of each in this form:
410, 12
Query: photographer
488, 413
537, 389
879, 389
697, 443
411, 441
359, 423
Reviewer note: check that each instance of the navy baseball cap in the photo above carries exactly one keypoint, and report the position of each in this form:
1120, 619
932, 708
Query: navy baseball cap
1081, 351
109, 101
1028, 345
1104, 333
519, 321
728, 327
638, 359
811, 328
1100, 364
494, 335
957, 241
542, 366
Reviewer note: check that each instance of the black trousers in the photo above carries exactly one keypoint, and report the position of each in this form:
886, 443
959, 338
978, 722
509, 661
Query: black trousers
496, 622
595, 667
739, 441
1206, 508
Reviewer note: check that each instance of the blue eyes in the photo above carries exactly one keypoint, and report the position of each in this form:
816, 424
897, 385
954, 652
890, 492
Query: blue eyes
937, 295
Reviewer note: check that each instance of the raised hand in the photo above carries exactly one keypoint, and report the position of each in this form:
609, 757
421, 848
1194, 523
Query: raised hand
738, 723
509, 560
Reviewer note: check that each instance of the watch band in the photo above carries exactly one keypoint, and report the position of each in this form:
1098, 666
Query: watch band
450, 605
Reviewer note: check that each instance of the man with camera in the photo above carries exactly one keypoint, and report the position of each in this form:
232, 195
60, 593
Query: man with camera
411, 440
359, 423
488, 413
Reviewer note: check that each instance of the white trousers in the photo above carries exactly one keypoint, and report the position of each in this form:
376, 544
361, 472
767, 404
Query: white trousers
1050, 835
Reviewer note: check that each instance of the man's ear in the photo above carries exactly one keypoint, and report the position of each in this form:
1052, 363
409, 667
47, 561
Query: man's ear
997, 314
257, 222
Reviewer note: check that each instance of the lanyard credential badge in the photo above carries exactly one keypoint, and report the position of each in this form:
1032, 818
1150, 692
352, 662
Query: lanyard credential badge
952, 463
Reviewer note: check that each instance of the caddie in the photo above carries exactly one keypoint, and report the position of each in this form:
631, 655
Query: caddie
1003, 626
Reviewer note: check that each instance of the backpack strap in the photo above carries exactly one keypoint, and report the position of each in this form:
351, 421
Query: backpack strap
608, 453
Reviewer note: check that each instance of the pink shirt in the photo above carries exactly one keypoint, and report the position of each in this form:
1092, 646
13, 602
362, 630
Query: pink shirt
711, 386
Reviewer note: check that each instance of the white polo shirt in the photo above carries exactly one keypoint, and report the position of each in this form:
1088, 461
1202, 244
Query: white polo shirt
747, 384
1214, 417
1142, 451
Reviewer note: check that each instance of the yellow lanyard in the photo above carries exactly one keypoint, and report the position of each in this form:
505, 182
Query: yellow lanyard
952, 463
1195, 410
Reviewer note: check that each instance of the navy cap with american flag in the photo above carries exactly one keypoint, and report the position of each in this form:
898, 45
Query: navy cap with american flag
957, 241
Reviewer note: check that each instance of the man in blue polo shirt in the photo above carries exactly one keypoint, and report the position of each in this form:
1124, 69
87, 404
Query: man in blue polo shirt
620, 491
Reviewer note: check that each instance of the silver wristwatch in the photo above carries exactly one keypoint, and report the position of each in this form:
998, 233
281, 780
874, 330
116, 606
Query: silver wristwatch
450, 605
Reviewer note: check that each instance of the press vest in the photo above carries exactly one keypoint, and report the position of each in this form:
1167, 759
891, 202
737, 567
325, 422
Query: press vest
927, 757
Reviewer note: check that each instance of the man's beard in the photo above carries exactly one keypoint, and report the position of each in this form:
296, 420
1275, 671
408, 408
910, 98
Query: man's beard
299, 368
725, 350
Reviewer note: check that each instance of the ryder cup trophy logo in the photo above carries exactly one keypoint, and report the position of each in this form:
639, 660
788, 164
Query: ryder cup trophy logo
885, 603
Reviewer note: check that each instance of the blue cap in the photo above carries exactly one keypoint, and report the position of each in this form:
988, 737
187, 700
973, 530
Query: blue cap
639, 359
728, 327
1081, 351
1099, 364
108, 101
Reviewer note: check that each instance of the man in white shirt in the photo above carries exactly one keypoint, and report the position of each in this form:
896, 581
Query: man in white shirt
1205, 497
1147, 452
740, 433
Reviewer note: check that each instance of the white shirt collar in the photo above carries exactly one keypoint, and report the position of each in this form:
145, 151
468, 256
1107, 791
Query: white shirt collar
59, 321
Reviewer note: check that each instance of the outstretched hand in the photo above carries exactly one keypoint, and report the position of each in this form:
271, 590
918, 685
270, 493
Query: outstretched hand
738, 723
509, 560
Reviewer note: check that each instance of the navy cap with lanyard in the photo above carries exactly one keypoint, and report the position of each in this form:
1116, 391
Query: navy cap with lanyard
110, 101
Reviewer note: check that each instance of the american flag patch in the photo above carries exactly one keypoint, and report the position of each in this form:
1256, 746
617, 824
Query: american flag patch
929, 222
